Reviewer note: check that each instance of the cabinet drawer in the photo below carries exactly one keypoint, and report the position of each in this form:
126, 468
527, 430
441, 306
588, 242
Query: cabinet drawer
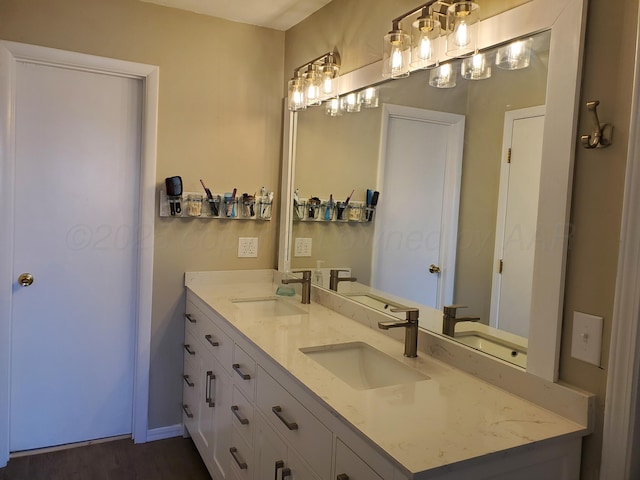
244, 372
216, 341
295, 423
242, 415
241, 457
351, 465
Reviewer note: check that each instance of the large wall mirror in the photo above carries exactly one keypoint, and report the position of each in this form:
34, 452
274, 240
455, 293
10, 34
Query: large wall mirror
473, 182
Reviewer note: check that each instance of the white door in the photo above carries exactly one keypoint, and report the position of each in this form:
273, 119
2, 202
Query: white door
517, 220
418, 206
76, 190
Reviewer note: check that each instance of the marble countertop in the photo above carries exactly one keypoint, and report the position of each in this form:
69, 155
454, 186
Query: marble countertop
451, 417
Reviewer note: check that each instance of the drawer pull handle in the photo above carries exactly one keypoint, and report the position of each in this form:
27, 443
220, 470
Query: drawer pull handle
190, 318
241, 465
187, 347
286, 472
187, 411
278, 411
208, 389
188, 380
342, 476
210, 339
244, 376
235, 410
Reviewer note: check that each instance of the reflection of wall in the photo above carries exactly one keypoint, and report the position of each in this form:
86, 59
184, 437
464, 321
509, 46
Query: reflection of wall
487, 103
349, 145
357, 28
335, 155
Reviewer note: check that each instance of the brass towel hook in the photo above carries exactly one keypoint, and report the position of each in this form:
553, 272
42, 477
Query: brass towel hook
602, 134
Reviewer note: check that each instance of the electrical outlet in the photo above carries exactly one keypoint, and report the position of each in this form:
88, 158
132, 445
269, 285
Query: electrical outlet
586, 340
247, 247
303, 247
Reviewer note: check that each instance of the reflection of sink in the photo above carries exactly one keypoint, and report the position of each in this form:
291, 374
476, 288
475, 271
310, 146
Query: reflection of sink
376, 302
267, 306
494, 346
362, 366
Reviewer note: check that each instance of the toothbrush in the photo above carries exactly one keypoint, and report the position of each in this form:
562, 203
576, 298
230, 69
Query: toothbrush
327, 212
346, 202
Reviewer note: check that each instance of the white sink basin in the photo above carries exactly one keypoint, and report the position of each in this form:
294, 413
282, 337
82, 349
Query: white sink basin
362, 366
494, 346
268, 306
376, 302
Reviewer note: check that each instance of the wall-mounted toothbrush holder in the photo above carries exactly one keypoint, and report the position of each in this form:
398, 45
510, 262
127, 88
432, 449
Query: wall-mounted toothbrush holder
325, 211
195, 205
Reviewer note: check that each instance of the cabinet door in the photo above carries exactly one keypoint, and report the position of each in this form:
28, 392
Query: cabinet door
220, 404
349, 466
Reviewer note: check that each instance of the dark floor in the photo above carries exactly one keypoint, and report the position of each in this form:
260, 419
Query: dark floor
172, 459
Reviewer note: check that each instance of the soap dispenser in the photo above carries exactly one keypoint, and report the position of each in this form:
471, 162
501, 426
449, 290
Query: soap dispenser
318, 278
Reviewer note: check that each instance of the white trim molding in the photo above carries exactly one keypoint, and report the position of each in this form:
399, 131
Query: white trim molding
621, 436
10, 54
163, 433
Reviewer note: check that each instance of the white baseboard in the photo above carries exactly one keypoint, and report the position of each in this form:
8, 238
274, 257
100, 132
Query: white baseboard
164, 432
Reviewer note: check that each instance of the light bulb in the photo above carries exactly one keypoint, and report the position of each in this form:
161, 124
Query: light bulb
426, 49
396, 59
476, 67
461, 34
397, 54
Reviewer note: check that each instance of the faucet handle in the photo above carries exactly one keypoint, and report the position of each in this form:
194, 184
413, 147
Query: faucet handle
450, 310
306, 274
412, 313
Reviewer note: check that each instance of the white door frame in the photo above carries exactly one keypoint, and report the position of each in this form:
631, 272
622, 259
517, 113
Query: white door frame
509, 118
451, 193
10, 54
621, 437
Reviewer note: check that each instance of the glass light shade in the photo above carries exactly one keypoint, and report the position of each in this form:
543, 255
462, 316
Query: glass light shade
329, 82
313, 86
514, 56
350, 103
396, 57
462, 27
476, 67
333, 107
296, 95
443, 77
425, 36
369, 97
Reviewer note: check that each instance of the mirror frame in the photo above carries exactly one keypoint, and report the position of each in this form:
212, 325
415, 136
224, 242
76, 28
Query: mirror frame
566, 20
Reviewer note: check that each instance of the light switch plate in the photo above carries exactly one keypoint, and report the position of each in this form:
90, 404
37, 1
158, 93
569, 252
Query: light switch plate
586, 339
303, 247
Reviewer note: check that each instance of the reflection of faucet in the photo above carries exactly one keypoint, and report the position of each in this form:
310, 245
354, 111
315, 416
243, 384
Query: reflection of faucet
306, 284
411, 332
335, 278
449, 319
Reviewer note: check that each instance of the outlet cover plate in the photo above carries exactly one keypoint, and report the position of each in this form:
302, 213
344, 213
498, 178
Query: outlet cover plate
586, 338
247, 247
303, 247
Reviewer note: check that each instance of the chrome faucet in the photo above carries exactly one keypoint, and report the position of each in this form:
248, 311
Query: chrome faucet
411, 332
449, 319
335, 279
306, 284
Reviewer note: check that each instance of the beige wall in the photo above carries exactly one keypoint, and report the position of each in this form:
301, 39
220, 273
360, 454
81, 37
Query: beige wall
220, 119
356, 27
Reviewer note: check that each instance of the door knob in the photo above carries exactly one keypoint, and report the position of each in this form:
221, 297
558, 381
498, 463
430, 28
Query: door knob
434, 269
25, 279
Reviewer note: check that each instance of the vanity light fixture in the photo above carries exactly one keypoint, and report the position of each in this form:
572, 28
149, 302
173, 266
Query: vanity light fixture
369, 97
314, 82
443, 76
476, 67
457, 19
514, 56
351, 103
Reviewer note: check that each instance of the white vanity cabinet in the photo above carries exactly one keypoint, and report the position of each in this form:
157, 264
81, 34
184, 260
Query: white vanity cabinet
251, 419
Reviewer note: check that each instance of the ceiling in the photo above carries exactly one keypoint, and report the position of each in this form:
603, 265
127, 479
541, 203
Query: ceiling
276, 14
